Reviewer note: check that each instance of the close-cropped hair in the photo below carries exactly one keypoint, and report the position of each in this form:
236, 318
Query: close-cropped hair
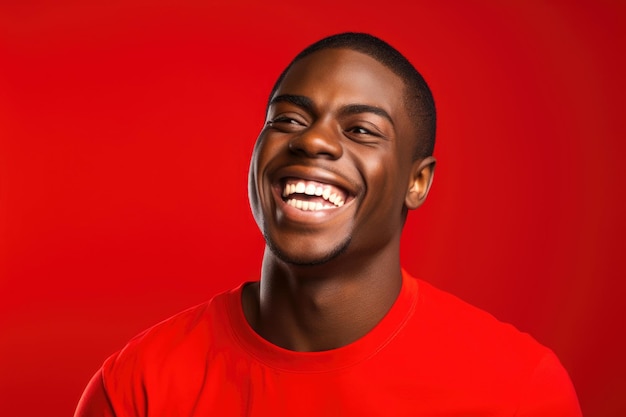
418, 98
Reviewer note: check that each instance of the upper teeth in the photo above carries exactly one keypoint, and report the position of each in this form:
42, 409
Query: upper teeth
327, 192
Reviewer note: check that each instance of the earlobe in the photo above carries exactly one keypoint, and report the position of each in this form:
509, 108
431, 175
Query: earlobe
422, 173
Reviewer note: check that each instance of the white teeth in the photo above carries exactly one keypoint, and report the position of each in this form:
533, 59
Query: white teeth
310, 205
312, 189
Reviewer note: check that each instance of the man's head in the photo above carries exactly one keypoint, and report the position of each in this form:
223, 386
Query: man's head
341, 157
418, 97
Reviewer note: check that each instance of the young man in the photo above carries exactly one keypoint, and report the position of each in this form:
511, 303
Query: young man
335, 326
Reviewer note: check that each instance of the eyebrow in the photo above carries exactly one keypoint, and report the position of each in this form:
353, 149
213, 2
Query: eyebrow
300, 101
308, 105
365, 108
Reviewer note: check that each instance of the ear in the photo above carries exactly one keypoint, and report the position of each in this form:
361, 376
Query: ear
422, 172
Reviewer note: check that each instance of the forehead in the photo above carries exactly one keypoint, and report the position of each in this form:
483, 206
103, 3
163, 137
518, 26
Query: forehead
342, 77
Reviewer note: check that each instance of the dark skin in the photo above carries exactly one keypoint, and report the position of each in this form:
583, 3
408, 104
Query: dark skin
336, 123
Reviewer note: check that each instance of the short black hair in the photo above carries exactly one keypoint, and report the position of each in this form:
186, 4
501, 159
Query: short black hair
418, 97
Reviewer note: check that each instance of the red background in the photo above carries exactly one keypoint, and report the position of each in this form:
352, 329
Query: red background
125, 134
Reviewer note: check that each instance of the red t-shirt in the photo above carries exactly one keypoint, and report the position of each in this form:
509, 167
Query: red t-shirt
431, 355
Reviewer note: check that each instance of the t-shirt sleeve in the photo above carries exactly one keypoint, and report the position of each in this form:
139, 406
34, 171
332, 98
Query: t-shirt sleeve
116, 390
550, 392
94, 401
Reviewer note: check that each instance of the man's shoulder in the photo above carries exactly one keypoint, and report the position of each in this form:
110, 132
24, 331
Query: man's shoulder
179, 338
463, 349
474, 333
169, 359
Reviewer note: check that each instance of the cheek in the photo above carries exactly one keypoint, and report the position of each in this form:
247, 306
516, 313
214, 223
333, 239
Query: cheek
267, 152
380, 169
258, 162
266, 148
386, 181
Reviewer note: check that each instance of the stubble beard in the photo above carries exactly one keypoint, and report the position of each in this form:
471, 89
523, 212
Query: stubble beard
298, 261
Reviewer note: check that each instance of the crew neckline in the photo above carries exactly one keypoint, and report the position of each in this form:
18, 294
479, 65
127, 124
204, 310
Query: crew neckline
329, 360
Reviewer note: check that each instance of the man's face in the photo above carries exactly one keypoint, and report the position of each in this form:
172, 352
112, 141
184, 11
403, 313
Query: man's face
331, 168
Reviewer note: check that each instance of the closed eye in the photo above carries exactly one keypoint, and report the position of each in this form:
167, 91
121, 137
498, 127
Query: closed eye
284, 119
286, 123
361, 131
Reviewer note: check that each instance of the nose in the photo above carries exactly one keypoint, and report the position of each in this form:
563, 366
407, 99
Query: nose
317, 142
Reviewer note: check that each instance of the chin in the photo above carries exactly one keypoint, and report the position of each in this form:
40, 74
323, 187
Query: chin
303, 257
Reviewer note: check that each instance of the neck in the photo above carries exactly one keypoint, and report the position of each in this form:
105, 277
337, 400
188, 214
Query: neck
322, 307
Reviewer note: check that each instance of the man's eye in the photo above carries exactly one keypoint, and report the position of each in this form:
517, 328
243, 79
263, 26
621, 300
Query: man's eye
360, 130
285, 120
286, 124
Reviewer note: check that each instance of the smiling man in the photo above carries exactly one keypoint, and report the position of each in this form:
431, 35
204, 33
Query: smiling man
335, 326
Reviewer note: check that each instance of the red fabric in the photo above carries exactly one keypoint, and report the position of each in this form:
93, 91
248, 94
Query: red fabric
431, 355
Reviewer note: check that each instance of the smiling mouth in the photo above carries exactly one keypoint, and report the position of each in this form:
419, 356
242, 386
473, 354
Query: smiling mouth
312, 195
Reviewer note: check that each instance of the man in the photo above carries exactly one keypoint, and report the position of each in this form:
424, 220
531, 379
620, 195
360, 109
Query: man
335, 326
